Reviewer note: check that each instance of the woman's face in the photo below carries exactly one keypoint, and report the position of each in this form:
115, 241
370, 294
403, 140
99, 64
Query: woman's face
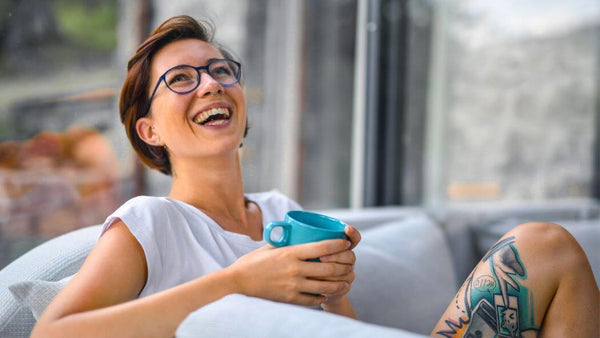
179, 121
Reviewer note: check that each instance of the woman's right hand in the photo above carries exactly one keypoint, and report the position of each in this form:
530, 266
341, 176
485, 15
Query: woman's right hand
284, 275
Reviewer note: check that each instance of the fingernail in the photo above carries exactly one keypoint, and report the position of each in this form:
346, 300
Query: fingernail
325, 258
348, 244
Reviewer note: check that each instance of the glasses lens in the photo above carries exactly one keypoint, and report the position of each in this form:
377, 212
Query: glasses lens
182, 79
225, 71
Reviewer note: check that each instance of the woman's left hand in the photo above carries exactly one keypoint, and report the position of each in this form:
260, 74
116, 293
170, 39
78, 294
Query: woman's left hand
345, 257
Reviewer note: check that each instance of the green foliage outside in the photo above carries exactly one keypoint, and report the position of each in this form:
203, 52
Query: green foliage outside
87, 24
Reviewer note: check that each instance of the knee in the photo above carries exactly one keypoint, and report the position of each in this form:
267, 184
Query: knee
541, 230
548, 239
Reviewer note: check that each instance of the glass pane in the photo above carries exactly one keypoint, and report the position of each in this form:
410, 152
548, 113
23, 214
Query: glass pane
513, 108
59, 167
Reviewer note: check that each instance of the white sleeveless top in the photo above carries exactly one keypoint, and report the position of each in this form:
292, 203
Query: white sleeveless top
182, 243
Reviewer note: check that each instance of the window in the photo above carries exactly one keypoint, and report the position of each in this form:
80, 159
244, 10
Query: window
351, 103
453, 102
58, 158
513, 102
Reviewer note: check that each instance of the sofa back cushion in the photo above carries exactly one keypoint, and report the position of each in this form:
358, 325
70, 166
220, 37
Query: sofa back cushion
404, 275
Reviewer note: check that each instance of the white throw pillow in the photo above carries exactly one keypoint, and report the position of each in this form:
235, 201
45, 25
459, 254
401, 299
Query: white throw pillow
37, 294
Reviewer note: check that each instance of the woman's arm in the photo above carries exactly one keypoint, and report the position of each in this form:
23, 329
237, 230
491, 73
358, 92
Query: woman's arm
101, 298
340, 306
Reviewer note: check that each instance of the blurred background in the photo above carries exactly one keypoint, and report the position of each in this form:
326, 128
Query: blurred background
352, 104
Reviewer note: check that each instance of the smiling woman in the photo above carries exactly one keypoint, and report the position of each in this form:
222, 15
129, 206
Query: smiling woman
180, 78
162, 126
159, 258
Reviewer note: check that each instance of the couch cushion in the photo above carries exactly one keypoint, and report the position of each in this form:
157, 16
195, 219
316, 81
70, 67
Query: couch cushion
52, 261
404, 275
240, 316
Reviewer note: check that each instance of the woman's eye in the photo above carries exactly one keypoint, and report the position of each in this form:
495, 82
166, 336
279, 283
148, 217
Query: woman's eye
222, 70
179, 77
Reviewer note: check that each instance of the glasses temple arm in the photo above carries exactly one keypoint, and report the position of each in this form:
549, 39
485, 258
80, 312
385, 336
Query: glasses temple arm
154, 92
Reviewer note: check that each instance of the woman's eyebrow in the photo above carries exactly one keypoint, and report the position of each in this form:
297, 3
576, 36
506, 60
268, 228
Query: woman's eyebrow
205, 63
212, 59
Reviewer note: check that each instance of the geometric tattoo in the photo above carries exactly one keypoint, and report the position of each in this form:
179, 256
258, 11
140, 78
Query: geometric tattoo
495, 305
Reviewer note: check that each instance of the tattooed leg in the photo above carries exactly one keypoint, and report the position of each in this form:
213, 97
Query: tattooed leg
534, 280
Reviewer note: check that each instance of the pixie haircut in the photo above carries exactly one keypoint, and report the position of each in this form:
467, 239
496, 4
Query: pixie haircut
134, 93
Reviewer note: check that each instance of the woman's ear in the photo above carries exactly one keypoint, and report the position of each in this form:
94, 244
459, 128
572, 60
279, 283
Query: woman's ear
147, 132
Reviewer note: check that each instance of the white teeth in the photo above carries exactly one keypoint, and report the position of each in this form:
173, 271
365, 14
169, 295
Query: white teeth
203, 117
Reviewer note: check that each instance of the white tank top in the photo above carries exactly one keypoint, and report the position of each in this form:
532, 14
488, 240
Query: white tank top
182, 243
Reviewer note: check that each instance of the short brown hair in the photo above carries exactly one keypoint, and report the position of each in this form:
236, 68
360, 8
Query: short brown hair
134, 93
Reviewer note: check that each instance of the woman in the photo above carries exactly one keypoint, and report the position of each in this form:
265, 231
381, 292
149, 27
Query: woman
159, 259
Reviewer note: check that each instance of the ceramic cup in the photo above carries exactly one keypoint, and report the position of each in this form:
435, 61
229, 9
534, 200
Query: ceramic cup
300, 227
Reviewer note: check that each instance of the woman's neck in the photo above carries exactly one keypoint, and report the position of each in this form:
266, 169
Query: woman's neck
215, 187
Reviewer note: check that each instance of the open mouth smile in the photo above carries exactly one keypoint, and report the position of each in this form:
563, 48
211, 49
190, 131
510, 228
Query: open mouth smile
213, 117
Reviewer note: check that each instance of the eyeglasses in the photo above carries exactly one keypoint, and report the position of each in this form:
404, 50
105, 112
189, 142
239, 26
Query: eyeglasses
184, 79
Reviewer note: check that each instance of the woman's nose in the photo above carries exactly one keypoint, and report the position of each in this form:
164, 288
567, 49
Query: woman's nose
208, 86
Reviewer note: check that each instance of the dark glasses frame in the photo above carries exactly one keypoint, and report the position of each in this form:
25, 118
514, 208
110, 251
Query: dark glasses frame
198, 69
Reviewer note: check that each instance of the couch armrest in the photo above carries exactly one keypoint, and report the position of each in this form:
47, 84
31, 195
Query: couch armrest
51, 261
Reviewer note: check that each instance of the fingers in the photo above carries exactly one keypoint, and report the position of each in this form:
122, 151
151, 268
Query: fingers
334, 291
324, 287
345, 278
344, 257
342, 292
283, 274
319, 249
353, 235
321, 270
307, 299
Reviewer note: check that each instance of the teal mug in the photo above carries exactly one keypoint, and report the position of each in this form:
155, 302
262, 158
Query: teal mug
300, 227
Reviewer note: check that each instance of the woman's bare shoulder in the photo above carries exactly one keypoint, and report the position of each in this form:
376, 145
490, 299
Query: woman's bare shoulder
115, 271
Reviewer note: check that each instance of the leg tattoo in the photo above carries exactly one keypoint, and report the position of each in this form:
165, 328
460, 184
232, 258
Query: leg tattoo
496, 304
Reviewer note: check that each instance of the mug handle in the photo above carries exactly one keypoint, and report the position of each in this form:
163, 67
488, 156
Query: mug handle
285, 234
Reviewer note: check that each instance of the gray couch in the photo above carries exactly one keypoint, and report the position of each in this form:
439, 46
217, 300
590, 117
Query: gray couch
409, 266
